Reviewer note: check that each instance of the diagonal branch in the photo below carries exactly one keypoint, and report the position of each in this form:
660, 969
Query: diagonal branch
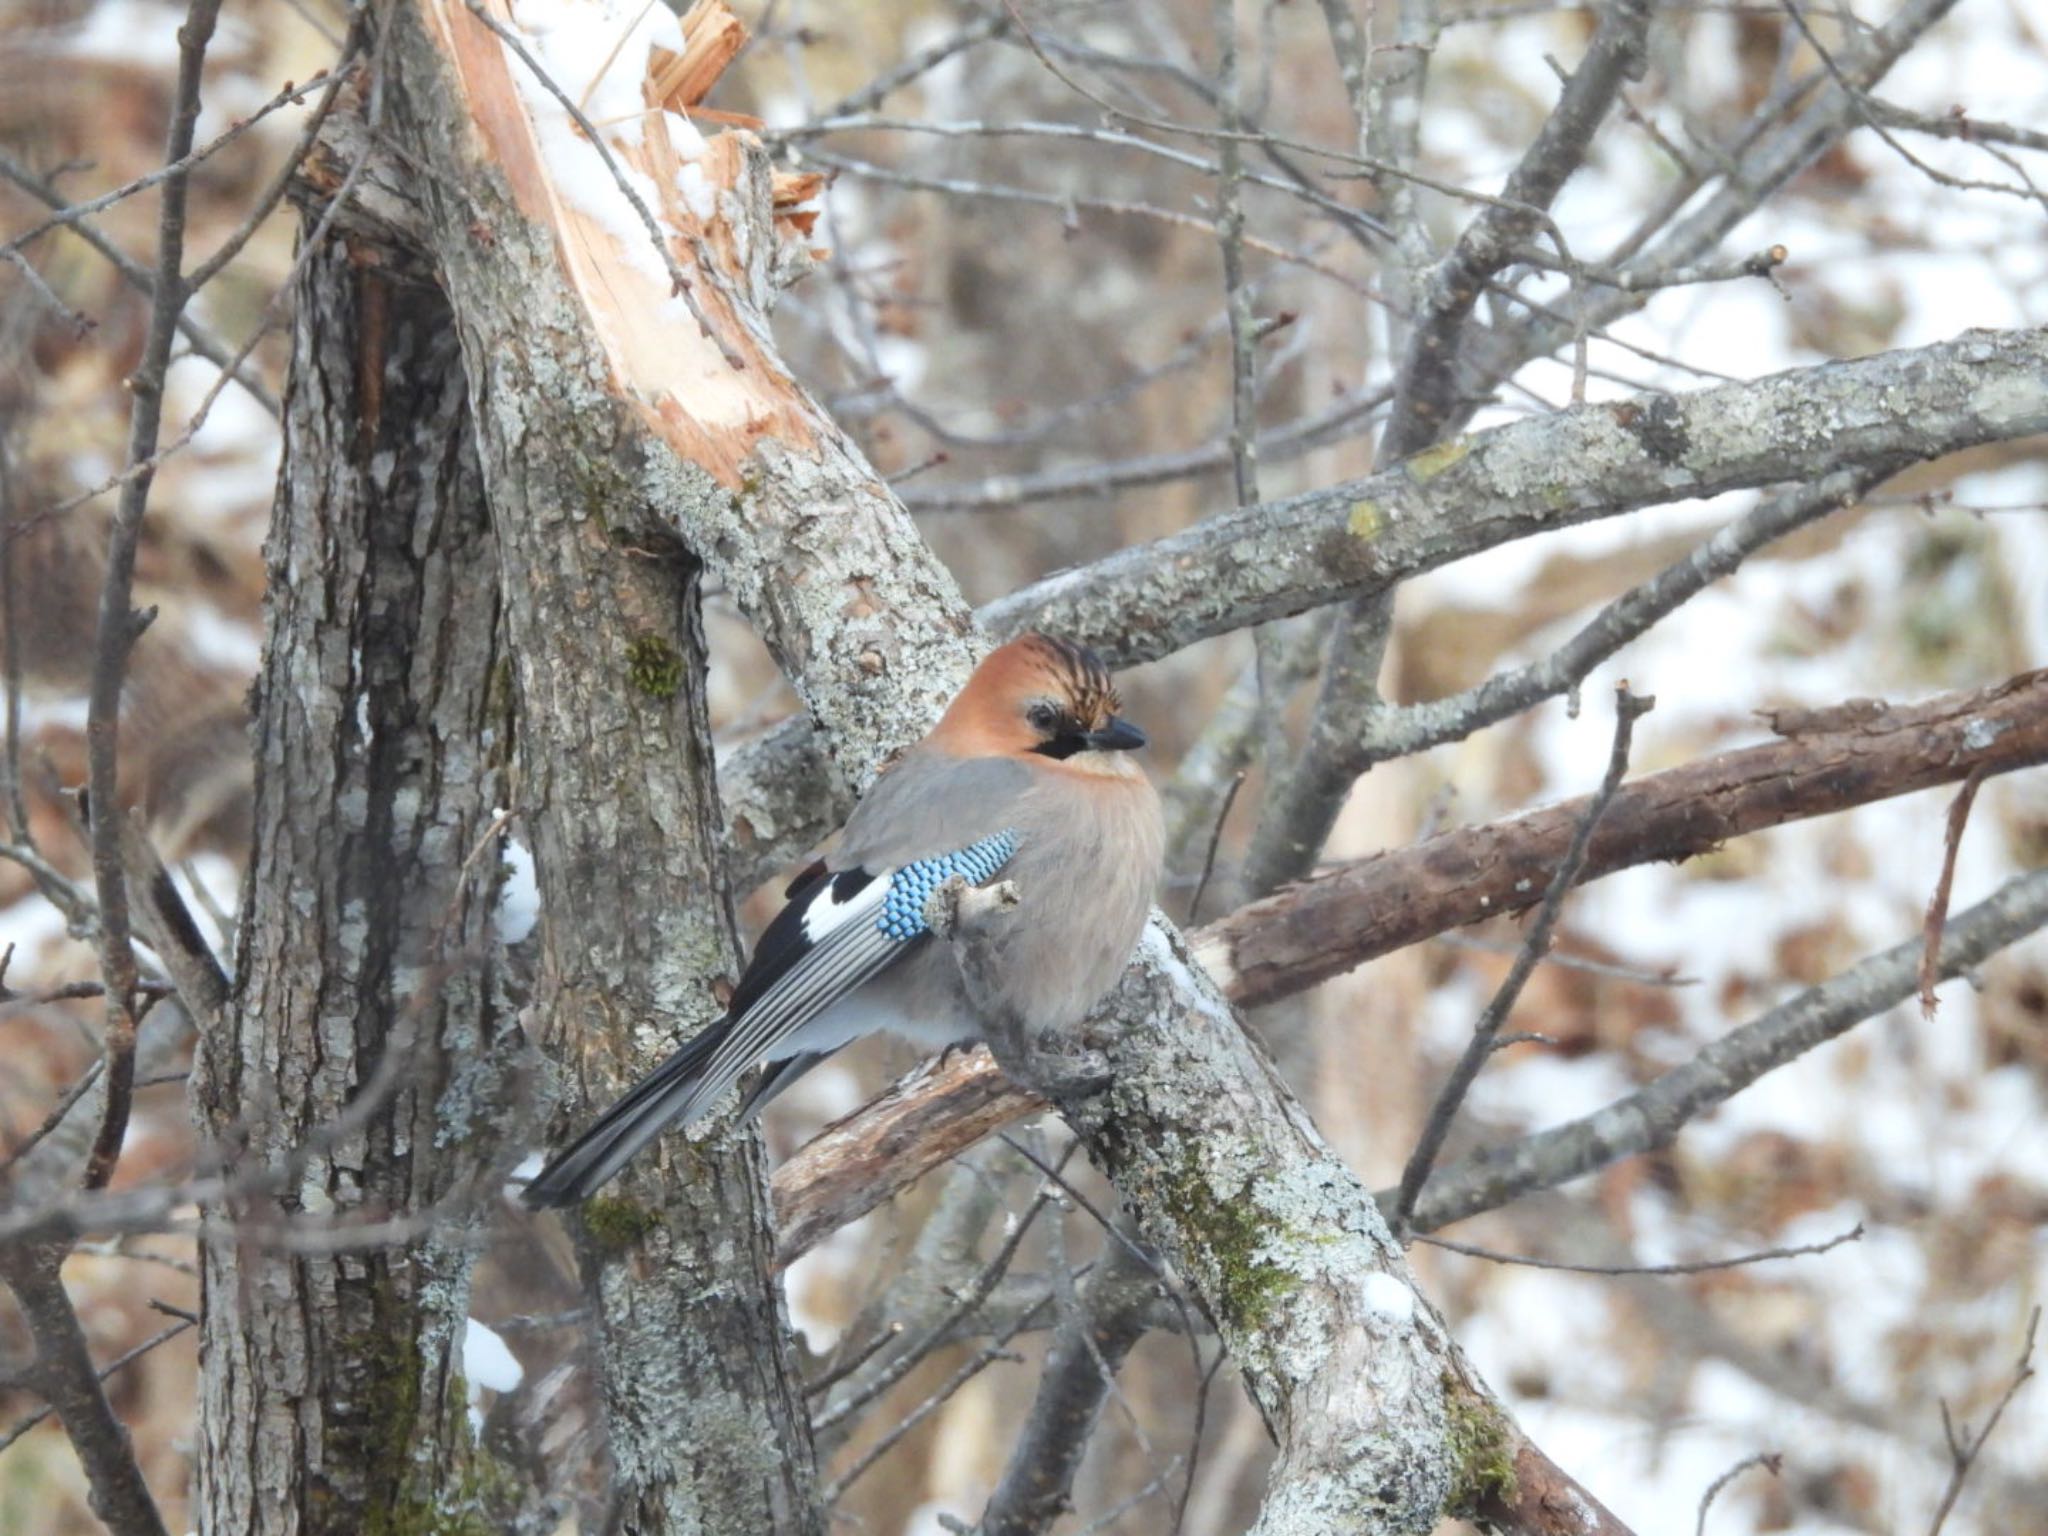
1238, 568
64, 1375
1428, 383
1826, 762
1628, 708
1652, 1116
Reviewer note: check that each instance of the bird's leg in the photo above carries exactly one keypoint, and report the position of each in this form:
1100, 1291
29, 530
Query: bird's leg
964, 917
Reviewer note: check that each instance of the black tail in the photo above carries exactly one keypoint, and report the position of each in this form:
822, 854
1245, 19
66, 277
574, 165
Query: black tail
666, 1094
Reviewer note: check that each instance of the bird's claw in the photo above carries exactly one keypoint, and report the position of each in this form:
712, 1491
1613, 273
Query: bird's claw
1063, 1076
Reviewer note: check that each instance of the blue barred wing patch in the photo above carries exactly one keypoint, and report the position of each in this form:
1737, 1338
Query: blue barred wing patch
911, 886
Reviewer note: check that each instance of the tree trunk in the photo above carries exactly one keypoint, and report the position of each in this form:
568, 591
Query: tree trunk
359, 1055
618, 791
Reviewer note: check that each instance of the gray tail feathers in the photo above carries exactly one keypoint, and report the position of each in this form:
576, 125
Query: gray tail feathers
672, 1091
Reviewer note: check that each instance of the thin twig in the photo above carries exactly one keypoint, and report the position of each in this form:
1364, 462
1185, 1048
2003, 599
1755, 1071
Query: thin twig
996, 1349
853, 1362
1937, 905
118, 625
1628, 708
1215, 841
201, 340
939, 1332
1696, 1267
55, 1117
127, 1358
280, 183
175, 169
81, 325
1244, 447
1772, 1461
1069, 206
1871, 121
1965, 1449
10, 656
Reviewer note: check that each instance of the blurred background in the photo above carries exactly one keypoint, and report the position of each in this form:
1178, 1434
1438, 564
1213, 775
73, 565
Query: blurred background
1026, 333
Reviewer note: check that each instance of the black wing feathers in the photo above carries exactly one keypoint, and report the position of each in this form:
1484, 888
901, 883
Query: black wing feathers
809, 957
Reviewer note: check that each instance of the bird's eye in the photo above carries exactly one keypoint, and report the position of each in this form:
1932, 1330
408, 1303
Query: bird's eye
1043, 717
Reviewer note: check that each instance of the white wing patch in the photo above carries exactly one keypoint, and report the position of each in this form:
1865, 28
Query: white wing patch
828, 911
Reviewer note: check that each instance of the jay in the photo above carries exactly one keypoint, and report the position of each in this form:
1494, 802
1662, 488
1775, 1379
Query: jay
1028, 777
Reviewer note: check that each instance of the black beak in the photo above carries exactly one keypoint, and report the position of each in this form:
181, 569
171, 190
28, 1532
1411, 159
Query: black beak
1117, 736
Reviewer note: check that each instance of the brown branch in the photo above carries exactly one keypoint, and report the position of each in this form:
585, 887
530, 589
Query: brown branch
1937, 906
119, 626
64, 1376
926, 1118
1826, 762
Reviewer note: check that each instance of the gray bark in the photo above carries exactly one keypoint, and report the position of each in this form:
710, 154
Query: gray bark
1827, 762
618, 795
354, 1072
1245, 566
587, 454
1652, 1116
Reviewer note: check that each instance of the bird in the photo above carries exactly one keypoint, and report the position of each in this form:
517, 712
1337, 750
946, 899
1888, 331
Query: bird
1029, 776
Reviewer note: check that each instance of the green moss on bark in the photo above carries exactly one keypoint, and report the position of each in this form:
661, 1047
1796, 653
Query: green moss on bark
615, 1223
655, 666
1482, 1454
1234, 1235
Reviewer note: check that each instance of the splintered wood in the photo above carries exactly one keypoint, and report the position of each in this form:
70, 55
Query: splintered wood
681, 324
712, 39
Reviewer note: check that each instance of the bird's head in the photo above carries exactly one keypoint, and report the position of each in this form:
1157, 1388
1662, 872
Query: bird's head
1044, 698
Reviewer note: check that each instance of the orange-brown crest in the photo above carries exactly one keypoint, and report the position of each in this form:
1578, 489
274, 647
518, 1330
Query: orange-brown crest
991, 715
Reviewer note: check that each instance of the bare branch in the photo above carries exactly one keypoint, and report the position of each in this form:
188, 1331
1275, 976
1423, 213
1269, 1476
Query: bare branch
1654, 1115
127, 1357
1347, 915
176, 169
201, 340
1694, 1267
1771, 1461
118, 625
80, 325
1628, 708
1407, 729
1686, 227
1110, 1315
1937, 904
1429, 370
1965, 1451
64, 1375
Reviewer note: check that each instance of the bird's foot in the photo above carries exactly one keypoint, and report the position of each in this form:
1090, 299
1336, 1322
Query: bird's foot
1059, 1075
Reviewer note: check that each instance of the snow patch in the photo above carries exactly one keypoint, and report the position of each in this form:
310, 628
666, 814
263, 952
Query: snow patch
1387, 1297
